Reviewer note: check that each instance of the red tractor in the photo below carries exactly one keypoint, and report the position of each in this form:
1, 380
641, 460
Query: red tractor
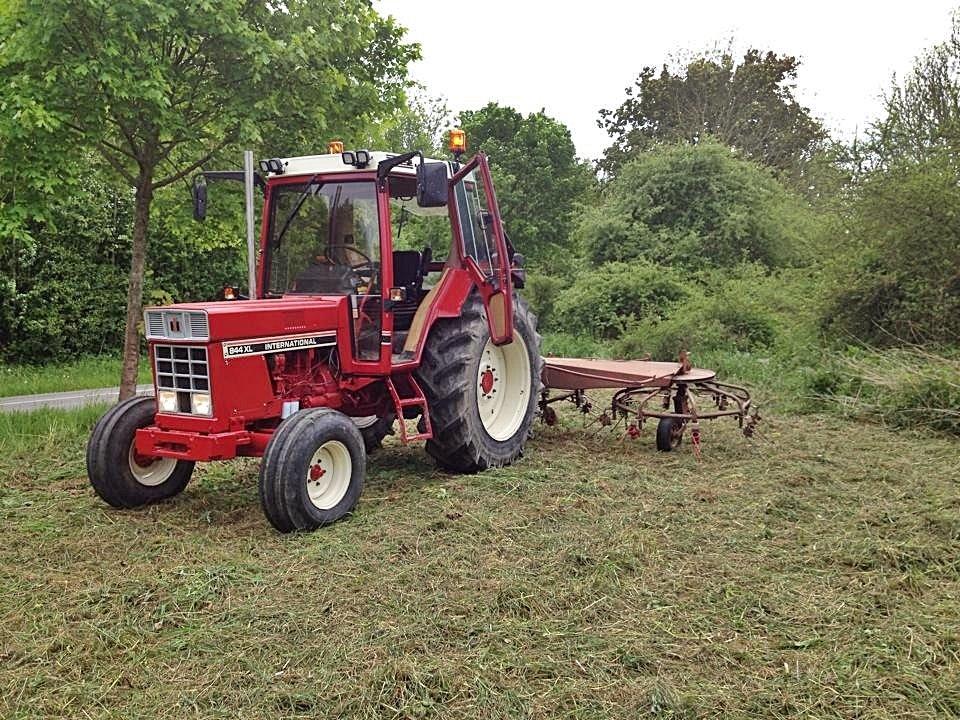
340, 338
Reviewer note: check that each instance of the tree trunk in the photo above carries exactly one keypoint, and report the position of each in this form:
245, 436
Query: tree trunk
131, 337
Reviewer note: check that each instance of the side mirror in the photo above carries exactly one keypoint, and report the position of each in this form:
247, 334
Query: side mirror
432, 184
199, 198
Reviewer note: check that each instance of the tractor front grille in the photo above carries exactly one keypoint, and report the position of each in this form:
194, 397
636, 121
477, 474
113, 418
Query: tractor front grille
177, 325
184, 369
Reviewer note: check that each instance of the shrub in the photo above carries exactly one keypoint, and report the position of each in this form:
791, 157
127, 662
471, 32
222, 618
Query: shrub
604, 302
542, 291
730, 317
695, 206
899, 279
64, 292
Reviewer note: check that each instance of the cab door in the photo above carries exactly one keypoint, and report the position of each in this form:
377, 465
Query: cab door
482, 246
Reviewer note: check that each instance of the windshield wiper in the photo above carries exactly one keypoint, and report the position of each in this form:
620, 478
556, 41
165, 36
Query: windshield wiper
296, 209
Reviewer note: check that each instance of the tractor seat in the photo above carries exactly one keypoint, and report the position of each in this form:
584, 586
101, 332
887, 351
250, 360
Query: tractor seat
409, 267
406, 269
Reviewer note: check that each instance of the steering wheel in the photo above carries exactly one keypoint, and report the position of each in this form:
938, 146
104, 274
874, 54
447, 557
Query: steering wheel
365, 269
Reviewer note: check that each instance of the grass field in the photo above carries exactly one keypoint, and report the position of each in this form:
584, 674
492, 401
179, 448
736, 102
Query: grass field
79, 374
814, 572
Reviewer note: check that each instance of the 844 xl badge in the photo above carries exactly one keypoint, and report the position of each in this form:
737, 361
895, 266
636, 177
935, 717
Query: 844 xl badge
267, 346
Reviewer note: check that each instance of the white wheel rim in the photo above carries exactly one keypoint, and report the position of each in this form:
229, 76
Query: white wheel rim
503, 387
150, 471
328, 474
364, 422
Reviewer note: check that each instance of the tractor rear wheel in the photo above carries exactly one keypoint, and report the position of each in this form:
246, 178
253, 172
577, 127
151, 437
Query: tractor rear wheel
482, 397
312, 471
374, 429
118, 473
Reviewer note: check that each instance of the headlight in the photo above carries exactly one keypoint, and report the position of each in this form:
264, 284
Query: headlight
167, 401
200, 403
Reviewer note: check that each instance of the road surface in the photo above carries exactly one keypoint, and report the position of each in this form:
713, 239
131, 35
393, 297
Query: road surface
65, 400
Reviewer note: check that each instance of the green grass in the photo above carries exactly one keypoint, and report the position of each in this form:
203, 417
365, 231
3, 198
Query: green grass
813, 571
79, 374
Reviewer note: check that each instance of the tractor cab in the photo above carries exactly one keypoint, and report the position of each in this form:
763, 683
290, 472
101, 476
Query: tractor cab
330, 228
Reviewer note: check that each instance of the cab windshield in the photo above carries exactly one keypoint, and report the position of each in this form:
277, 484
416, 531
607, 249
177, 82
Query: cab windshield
324, 239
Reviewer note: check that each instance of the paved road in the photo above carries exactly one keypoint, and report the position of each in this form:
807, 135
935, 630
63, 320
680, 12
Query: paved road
65, 400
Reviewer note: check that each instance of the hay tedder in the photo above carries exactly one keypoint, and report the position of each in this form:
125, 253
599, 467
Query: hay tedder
675, 394
343, 334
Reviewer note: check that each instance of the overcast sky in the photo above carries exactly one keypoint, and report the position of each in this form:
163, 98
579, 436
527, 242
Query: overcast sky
572, 59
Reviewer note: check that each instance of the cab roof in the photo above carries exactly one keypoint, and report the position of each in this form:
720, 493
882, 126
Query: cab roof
333, 163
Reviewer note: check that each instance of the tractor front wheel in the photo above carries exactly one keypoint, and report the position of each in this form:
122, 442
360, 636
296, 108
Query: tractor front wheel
312, 471
482, 397
118, 473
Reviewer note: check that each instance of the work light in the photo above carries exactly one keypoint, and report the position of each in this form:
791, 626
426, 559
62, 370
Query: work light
458, 142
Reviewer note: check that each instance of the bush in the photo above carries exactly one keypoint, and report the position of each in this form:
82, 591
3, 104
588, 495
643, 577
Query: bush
731, 317
604, 302
542, 291
64, 292
697, 207
899, 279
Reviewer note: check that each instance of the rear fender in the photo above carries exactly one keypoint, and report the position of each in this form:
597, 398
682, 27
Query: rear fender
447, 300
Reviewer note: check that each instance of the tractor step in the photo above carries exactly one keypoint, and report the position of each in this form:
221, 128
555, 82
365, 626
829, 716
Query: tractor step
412, 397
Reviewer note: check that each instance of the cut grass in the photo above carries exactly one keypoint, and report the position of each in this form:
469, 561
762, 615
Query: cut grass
814, 572
80, 374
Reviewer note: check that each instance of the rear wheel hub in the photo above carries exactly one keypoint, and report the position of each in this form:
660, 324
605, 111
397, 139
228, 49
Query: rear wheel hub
503, 387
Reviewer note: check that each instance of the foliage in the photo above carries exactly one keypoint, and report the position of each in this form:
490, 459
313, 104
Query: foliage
695, 206
923, 111
542, 292
418, 124
748, 105
158, 89
64, 295
538, 179
898, 278
155, 86
603, 302
64, 292
730, 315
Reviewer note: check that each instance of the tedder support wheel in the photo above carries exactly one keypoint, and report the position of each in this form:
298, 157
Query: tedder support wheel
482, 398
121, 476
312, 471
374, 429
669, 434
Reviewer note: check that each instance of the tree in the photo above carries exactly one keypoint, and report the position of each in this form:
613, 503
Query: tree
420, 124
159, 88
749, 106
538, 177
923, 112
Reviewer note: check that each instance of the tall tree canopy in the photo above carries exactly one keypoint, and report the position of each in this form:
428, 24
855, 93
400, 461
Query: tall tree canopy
923, 110
539, 178
748, 105
159, 88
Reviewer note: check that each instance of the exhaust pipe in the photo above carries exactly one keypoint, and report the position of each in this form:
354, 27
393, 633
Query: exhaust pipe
251, 242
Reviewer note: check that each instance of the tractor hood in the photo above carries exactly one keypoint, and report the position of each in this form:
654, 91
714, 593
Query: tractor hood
244, 319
